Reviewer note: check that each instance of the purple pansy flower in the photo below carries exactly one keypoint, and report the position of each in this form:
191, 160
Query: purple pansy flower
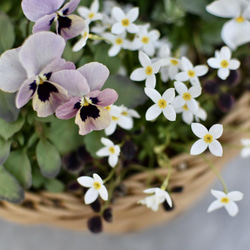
33, 71
88, 103
45, 12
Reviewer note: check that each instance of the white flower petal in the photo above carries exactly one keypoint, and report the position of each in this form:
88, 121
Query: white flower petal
215, 148
103, 152
153, 94
107, 142
169, 95
180, 87
223, 73
218, 194
150, 81
181, 76
232, 208
132, 28
153, 112
144, 59
97, 178
85, 181
200, 70
90, 196
112, 160
245, 152
103, 193
234, 64
214, 205
138, 74
213, 63
169, 113
133, 14
199, 129
235, 196
198, 147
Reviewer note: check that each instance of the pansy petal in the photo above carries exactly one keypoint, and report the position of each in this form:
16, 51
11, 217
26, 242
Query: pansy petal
67, 110
70, 6
103, 98
232, 208
214, 205
44, 23
76, 27
35, 9
198, 147
72, 80
153, 112
85, 181
235, 196
95, 73
57, 65
39, 50
12, 74
199, 129
90, 196
215, 148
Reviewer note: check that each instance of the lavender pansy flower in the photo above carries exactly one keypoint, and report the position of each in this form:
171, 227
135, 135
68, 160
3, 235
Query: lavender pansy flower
88, 103
45, 12
30, 70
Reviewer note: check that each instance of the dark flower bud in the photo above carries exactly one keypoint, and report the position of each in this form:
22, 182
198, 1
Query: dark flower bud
234, 78
71, 162
129, 150
96, 205
225, 102
73, 186
177, 189
83, 154
108, 215
211, 87
95, 224
167, 207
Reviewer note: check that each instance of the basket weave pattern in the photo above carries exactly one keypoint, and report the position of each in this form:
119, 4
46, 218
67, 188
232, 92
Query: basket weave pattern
68, 211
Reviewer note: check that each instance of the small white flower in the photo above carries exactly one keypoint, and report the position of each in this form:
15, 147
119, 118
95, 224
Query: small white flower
245, 152
158, 197
90, 14
190, 72
147, 72
208, 138
223, 62
111, 150
118, 42
124, 22
95, 186
225, 200
235, 32
162, 104
83, 40
186, 96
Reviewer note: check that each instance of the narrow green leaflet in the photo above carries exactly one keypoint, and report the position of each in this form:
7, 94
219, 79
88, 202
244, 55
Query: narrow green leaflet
18, 165
10, 190
7, 37
4, 150
7, 130
49, 159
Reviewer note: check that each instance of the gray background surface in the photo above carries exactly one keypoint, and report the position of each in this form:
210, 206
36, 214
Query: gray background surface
193, 230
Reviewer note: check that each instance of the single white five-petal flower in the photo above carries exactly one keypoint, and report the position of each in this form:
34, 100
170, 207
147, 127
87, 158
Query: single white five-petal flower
208, 138
95, 186
111, 150
162, 104
223, 62
225, 200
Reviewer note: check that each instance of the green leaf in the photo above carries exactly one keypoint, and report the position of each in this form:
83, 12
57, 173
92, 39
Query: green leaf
49, 159
130, 94
38, 179
8, 110
18, 165
5, 150
93, 142
10, 189
54, 185
197, 7
69, 55
64, 135
7, 37
7, 130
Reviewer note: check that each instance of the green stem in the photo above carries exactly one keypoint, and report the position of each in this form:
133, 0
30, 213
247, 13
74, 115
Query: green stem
211, 165
166, 181
109, 176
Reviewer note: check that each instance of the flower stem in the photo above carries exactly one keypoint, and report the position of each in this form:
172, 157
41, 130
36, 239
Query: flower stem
211, 165
166, 181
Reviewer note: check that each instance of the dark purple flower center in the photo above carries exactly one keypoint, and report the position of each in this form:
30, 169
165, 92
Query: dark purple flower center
63, 23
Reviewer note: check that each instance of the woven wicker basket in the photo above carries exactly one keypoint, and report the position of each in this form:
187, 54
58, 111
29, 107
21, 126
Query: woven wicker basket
68, 211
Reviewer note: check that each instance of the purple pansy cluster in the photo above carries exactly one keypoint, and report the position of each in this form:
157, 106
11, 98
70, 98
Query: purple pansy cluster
37, 71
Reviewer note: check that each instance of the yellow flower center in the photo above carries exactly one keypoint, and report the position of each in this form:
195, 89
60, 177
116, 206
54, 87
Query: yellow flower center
108, 108
174, 62
114, 118
112, 150
224, 64
149, 70
118, 41
185, 107
125, 22
208, 138
162, 103
186, 96
97, 185
191, 73
125, 113
91, 15
85, 34
145, 39
239, 19
224, 200
84, 102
